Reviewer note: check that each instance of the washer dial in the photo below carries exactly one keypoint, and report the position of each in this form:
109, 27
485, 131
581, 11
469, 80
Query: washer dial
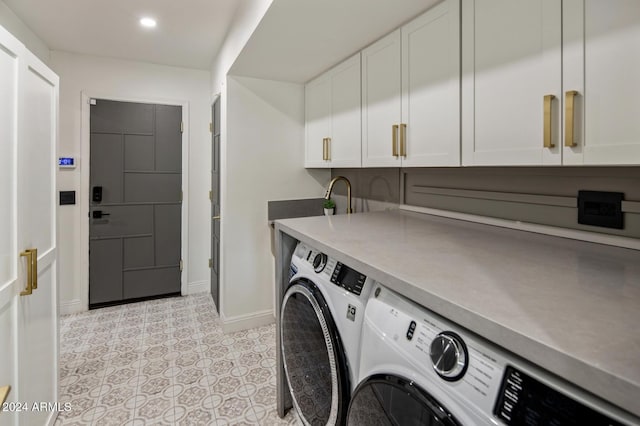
449, 356
319, 262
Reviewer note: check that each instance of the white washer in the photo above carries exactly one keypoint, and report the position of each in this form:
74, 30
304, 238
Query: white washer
418, 368
321, 322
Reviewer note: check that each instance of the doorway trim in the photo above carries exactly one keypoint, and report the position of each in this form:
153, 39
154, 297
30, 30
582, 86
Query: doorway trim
83, 197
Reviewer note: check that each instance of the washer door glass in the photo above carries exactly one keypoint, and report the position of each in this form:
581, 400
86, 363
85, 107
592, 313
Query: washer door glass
313, 359
384, 400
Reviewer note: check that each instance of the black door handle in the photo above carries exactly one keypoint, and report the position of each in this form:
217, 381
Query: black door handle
98, 214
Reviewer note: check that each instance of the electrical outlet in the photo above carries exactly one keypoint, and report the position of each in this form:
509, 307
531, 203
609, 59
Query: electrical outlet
600, 209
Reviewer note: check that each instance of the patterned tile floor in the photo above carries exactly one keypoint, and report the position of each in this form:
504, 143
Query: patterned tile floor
166, 362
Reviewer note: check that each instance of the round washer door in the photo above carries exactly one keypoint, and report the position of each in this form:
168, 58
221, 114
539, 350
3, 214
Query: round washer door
313, 357
385, 400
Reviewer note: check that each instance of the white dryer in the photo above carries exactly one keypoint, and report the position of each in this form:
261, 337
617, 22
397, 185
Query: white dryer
320, 327
418, 368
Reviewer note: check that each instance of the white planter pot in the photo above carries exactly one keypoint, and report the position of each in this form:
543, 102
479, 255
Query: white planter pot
328, 212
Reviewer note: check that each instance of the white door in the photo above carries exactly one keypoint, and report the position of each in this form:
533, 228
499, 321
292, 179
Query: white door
317, 121
381, 105
431, 87
602, 64
511, 56
10, 49
28, 322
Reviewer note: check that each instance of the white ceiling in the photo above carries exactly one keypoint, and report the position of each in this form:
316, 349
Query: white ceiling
295, 41
298, 39
189, 32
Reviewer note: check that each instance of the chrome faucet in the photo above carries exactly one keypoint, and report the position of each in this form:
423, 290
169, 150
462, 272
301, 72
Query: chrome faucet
327, 194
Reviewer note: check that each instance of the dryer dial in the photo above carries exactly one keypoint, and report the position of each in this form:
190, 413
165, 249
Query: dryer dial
319, 262
449, 356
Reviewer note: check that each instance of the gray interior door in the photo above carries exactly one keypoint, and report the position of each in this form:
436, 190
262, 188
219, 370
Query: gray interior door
215, 203
135, 201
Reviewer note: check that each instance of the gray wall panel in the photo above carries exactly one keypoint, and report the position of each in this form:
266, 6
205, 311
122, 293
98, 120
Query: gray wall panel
168, 138
539, 182
167, 234
151, 282
138, 252
105, 257
138, 152
143, 187
123, 220
106, 166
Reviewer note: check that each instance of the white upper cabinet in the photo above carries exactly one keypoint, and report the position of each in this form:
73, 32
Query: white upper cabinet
511, 60
332, 116
548, 83
602, 63
411, 93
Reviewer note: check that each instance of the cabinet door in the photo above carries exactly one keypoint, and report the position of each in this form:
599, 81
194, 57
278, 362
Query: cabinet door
431, 87
601, 63
511, 56
317, 120
380, 101
345, 142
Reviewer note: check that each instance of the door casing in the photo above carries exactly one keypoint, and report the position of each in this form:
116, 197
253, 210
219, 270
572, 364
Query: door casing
83, 197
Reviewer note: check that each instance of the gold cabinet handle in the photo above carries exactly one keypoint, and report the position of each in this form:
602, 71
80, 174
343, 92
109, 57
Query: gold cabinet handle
324, 149
4, 392
403, 139
29, 289
394, 140
328, 149
216, 218
34, 268
569, 111
547, 141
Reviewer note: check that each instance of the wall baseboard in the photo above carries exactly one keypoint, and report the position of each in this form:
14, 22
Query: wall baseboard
197, 287
243, 322
71, 307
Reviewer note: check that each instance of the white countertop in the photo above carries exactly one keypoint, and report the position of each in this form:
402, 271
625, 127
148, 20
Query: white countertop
571, 307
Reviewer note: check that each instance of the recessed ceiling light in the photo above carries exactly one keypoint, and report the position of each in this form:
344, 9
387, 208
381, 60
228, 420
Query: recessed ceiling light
148, 22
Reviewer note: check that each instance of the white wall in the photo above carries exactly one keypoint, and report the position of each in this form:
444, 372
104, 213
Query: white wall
262, 160
248, 16
104, 77
15, 26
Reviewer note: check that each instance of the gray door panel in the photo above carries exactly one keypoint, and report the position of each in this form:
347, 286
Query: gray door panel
168, 153
136, 157
142, 283
152, 187
122, 221
167, 235
138, 153
105, 274
106, 166
138, 252
122, 117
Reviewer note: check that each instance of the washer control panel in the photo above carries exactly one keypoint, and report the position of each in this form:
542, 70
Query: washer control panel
449, 355
336, 272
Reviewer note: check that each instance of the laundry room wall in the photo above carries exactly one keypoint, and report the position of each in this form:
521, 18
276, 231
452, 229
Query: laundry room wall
104, 77
15, 26
262, 160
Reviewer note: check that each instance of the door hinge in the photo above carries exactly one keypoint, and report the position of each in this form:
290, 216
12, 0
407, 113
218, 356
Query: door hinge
182, 127
181, 196
181, 265
210, 127
93, 101
210, 263
210, 195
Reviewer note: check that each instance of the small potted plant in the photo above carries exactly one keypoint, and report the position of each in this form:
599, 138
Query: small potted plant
329, 207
